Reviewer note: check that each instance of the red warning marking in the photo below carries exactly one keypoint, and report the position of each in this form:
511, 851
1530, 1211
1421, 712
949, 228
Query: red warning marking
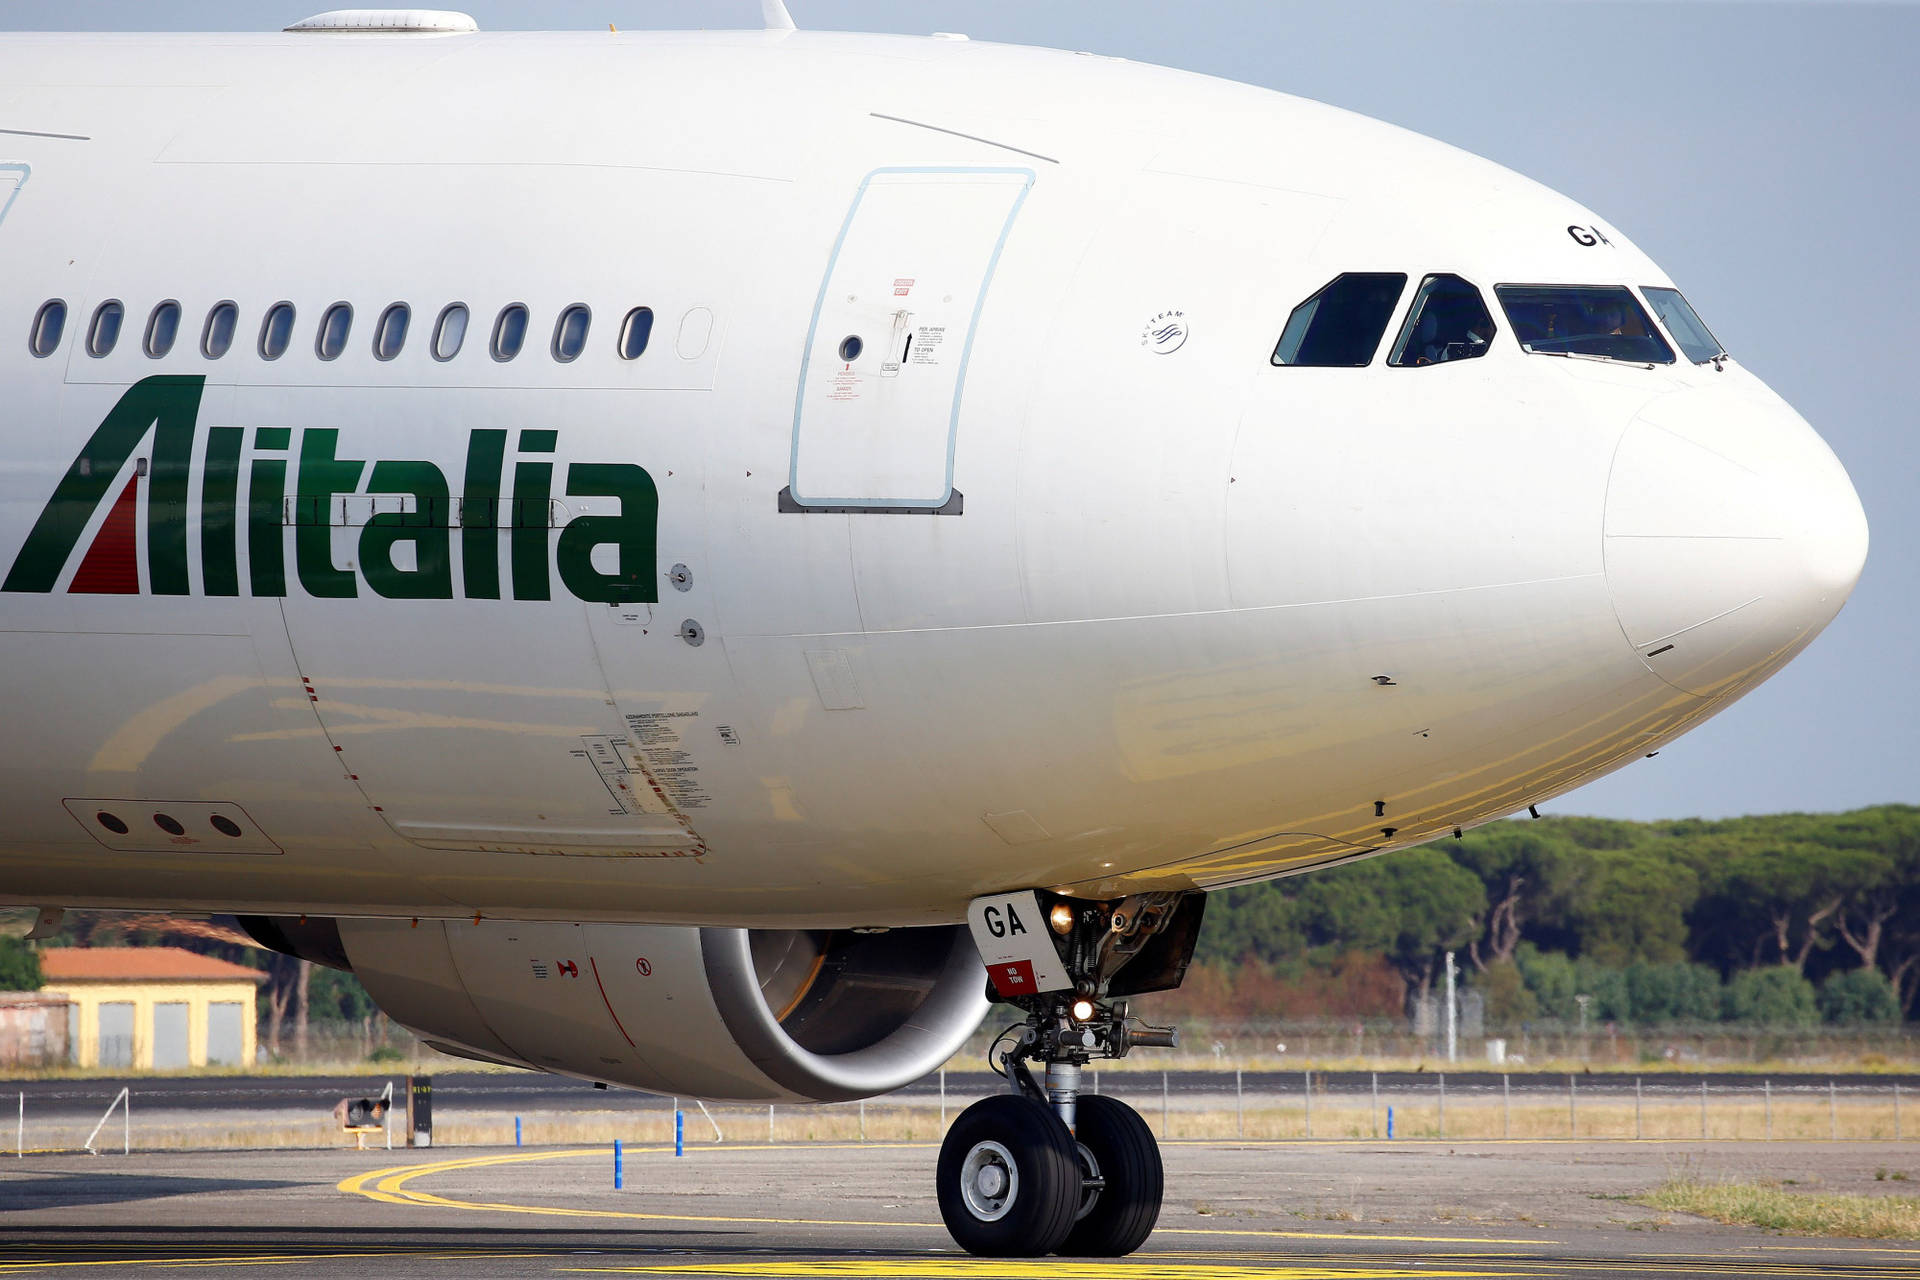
568, 969
603, 1000
1014, 979
644, 967
109, 568
902, 287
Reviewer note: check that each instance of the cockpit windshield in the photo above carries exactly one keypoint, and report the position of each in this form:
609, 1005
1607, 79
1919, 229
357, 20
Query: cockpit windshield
1601, 321
1683, 322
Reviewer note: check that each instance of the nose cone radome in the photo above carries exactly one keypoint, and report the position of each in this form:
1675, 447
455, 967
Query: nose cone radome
1732, 535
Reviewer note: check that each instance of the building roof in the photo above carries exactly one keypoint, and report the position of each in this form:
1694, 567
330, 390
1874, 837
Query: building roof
138, 964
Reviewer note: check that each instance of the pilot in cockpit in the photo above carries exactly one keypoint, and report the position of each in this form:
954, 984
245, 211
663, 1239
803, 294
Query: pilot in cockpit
1448, 330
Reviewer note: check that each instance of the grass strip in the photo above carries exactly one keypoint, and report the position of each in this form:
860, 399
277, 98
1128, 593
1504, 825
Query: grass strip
1800, 1213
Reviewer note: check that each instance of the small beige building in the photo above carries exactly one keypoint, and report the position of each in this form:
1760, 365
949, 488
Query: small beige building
153, 1008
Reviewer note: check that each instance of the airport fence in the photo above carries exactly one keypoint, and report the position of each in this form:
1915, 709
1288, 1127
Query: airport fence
1238, 1105
1612, 1047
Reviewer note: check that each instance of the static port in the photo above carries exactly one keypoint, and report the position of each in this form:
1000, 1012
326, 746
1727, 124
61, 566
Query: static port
110, 822
169, 824
226, 826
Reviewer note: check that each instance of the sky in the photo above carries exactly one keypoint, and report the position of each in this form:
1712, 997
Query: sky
1762, 153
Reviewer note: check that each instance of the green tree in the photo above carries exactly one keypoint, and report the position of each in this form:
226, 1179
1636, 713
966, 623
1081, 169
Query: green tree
1858, 997
19, 964
1631, 904
1550, 977
1778, 896
1775, 996
1665, 993
1605, 988
1261, 920
1523, 869
1409, 906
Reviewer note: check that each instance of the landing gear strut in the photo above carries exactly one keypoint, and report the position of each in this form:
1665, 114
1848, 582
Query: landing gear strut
1042, 1169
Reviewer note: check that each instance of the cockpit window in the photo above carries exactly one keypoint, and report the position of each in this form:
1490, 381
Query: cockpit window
1683, 322
1448, 321
1601, 321
1340, 326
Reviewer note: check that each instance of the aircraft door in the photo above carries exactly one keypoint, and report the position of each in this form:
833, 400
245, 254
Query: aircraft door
886, 360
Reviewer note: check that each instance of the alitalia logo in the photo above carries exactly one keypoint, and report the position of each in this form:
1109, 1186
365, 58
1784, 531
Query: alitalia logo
262, 484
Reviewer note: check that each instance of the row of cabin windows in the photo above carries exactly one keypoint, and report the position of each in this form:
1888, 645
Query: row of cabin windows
449, 335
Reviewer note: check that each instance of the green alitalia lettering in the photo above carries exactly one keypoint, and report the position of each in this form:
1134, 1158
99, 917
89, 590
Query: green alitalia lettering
219, 496
631, 533
266, 514
167, 403
480, 515
425, 527
529, 545
402, 554
323, 478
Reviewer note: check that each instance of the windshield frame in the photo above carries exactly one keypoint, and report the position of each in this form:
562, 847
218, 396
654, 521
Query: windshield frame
1626, 294
1687, 311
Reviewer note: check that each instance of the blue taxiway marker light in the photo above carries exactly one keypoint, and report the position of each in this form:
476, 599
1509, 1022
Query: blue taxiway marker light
618, 1181
679, 1132
1389, 1123
516, 1131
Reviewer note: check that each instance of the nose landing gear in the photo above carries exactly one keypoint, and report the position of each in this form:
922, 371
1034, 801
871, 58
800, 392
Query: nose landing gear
1045, 1170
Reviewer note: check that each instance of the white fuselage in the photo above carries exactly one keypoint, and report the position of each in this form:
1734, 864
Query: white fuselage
1054, 601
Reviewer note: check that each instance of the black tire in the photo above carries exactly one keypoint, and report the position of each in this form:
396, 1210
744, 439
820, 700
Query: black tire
1115, 1221
1018, 1137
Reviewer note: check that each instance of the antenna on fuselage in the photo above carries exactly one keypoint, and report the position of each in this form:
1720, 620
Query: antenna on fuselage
774, 15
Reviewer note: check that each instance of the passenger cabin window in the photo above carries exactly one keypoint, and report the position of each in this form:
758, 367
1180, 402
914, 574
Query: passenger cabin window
390, 335
276, 331
104, 332
450, 331
570, 333
509, 332
634, 332
49, 322
217, 337
1683, 322
1602, 322
163, 326
1340, 326
1448, 321
334, 327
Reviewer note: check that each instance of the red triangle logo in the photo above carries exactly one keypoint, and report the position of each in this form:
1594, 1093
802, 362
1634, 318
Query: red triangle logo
111, 566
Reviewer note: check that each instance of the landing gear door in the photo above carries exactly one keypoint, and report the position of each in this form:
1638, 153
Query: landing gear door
886, 361
1010, 931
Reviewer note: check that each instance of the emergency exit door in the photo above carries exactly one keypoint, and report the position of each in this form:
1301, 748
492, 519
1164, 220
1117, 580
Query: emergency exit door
886, 360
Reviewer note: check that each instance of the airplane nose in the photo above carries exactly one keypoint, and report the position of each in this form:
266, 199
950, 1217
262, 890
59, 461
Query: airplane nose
1732, 536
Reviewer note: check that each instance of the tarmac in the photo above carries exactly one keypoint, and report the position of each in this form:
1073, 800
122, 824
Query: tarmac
1234, 1211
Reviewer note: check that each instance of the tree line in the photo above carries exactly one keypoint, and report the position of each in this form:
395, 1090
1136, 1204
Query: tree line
1789, 919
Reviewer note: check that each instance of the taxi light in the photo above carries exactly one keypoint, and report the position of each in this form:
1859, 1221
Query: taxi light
1082, 1010
1061, 918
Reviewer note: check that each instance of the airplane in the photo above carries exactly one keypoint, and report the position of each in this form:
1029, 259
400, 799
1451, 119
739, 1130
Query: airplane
685, 560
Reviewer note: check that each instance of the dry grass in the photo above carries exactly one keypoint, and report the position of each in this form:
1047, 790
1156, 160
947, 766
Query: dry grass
1800, 1213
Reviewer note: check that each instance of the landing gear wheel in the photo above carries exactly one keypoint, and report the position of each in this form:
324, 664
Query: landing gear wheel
1009, 1178
1115, 1145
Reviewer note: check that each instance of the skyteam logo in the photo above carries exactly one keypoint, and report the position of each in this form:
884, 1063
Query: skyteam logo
1166, 333
397, 519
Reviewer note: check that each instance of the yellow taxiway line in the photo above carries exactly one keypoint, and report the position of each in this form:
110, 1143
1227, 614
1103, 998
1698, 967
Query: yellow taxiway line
390, 1186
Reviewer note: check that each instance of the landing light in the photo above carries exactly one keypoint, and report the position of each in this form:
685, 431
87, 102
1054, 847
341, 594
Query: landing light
1061, 918
1082, 1010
